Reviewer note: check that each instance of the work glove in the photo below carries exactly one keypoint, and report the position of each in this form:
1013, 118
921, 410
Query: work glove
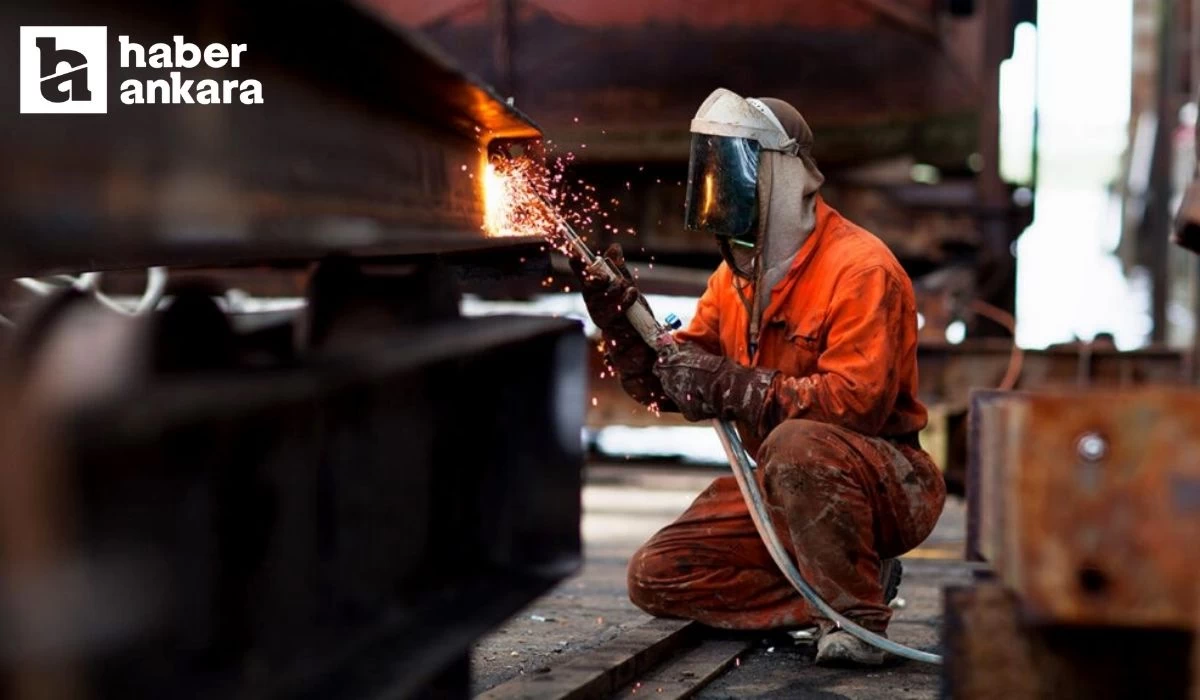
625, 350
703, 385
607, 300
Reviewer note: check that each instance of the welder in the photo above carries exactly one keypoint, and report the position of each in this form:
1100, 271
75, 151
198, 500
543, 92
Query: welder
806, 338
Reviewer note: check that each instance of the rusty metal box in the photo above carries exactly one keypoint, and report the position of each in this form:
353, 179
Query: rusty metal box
1087, 504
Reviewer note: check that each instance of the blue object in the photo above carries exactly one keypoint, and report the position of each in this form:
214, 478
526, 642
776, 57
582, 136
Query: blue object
673, 322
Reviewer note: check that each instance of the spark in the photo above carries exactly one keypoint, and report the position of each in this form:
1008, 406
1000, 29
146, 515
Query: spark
525, 197
511, 205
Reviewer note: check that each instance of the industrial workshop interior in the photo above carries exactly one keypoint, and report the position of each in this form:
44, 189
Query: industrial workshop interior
591, 349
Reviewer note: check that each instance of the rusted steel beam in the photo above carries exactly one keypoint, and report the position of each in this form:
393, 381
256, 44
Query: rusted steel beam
986, 444
633, 73
368, 142
992, 653
338, 517
986, 655
1090, 505
950, 372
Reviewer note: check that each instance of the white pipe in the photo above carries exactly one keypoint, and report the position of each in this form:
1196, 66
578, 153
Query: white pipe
742, 471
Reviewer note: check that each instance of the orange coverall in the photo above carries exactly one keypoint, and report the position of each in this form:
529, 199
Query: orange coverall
838, 459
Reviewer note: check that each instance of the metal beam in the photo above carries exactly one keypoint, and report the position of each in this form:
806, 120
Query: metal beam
1088, 503
368, 142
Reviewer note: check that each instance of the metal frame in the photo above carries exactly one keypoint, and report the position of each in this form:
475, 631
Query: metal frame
359, 148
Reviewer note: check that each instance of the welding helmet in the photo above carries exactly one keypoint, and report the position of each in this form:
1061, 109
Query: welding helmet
729, 133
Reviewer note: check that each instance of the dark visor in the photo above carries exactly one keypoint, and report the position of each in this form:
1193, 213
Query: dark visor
722, 187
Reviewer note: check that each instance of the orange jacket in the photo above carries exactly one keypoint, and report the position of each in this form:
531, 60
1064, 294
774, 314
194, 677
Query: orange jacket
841, 328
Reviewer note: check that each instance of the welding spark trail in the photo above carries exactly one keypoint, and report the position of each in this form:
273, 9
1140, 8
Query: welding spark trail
519, 195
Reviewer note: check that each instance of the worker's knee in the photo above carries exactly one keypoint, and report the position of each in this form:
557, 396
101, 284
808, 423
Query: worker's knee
804, 451
647, 571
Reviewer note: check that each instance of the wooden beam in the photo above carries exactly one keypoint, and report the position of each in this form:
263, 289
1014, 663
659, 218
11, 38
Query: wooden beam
601, 672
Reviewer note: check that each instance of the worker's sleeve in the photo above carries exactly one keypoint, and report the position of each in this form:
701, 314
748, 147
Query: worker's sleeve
856, 382
704, 329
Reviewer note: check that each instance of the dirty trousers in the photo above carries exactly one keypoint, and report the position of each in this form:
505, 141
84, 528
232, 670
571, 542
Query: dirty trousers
840, 502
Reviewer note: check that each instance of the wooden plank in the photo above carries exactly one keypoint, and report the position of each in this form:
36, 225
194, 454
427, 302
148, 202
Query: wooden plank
684, 676
600, 672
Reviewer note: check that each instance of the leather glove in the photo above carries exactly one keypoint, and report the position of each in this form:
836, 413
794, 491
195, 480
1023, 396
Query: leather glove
704, 385
606, 299
624, 349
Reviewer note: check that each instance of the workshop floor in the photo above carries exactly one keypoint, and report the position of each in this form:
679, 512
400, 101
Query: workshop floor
623, 505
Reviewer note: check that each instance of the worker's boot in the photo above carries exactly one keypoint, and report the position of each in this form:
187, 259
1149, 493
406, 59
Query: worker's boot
890, 573
840, 648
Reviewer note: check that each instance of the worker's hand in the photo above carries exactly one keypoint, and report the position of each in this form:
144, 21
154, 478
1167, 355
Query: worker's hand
626, 352
704, 385
606, 300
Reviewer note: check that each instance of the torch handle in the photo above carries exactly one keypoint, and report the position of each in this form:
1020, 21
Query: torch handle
640, 316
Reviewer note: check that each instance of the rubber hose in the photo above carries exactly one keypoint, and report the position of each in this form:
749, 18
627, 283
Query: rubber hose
744, 473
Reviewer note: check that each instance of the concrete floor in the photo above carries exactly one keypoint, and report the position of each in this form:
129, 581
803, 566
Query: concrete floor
625, 505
